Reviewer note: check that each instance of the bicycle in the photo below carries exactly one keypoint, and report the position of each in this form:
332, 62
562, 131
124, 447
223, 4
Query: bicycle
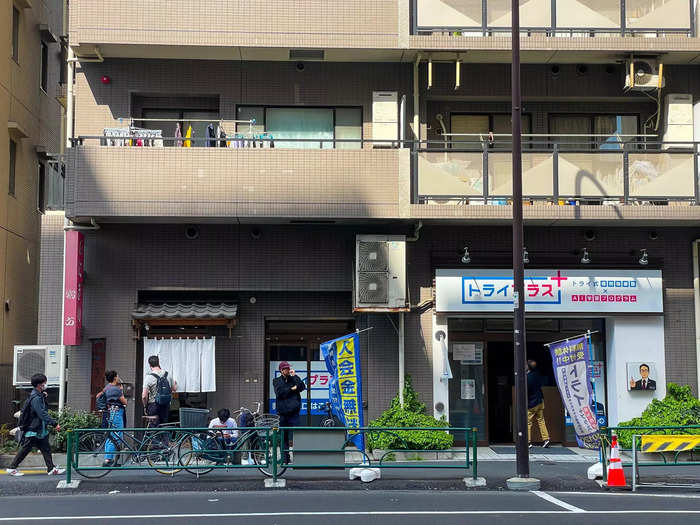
202, 451
330, 420
156, 448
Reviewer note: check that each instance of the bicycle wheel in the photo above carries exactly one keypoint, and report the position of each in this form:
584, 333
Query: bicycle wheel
93, 442
196, 452
161, 452
328, 422
262, 449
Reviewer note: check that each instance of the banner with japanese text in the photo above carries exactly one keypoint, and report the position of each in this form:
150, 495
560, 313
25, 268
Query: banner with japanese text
342, 358
73, 282
570, 361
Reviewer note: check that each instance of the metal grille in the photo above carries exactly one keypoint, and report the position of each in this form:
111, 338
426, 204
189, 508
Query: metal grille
372, 257
373, 287
30, 362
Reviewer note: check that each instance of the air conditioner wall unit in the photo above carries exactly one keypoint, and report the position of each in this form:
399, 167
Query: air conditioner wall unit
36, 359
380, 273
643, 74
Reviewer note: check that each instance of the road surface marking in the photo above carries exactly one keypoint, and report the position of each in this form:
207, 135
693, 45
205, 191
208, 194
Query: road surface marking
341, 513
30, 472
556, 501
613, 494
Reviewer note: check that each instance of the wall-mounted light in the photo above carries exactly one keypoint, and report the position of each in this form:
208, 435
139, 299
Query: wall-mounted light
526, 256
105, 80
586, 258
644, 259
466, 259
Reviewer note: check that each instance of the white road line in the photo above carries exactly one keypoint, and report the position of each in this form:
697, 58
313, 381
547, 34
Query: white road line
343, 513
641, 494
558, 502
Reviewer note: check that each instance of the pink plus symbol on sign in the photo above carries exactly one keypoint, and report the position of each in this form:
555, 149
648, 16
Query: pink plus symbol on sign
559, 278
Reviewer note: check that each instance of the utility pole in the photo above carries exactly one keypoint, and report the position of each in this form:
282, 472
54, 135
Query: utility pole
522, 480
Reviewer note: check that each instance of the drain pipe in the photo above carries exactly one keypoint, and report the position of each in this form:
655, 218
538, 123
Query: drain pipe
696, 300
69, 97
416, 99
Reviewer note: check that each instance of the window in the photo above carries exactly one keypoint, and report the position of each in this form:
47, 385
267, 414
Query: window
15, 34
44, 66
499, 123
607, 131
305, 127
41, 193
13, 167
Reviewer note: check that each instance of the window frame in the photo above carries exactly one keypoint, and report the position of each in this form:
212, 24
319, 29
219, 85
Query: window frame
12, 179
44, 71
591, 120
334, 108
16, 23
491, 115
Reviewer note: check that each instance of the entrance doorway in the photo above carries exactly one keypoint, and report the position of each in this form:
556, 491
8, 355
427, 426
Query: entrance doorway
482, 362
299, 343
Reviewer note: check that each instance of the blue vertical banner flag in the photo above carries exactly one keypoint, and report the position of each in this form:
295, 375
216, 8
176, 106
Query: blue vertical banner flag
342, 358
570, 360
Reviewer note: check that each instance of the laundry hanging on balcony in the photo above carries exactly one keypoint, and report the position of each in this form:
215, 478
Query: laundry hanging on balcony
190, 362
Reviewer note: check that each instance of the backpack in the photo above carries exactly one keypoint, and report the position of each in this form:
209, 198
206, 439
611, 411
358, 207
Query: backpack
101, 403
163, 391
26, 417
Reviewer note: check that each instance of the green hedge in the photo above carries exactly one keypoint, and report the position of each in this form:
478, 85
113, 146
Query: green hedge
71, 419
411, 415
679, 407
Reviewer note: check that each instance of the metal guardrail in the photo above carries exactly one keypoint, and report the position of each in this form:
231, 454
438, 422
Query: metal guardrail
638, 431
553, 28
154, 449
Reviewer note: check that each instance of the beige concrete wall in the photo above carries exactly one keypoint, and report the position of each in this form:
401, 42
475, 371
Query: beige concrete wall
253, 23
38, 113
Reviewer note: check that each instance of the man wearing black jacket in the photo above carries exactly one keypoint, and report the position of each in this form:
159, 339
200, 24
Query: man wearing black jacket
34, 423
288, 388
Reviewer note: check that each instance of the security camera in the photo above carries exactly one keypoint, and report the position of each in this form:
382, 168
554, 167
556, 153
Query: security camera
191, 232
300, 66
590, 235
255, 233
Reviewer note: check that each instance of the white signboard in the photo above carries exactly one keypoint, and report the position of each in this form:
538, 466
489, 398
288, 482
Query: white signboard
464, 351
552, 291
468, 390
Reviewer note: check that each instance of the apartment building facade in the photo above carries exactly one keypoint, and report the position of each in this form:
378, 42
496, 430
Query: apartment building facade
31, 176
225, 157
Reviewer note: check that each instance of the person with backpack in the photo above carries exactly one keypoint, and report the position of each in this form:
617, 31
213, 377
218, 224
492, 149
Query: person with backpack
33, 423
115, 402
158, 388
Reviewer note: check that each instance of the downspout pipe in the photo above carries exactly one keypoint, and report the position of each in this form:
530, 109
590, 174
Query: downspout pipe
416, 98
69, 97
696, 301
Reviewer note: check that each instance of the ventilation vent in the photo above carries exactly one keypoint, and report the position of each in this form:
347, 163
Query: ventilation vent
306, 54
373, 287
372, 257
30, 363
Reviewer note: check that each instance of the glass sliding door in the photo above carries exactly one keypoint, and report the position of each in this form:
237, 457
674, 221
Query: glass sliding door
314, 125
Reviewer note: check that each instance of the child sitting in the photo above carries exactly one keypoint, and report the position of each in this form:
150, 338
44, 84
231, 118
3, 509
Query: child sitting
224, 420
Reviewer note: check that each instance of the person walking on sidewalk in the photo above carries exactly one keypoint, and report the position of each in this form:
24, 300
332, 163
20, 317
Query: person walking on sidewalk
116, 402
288, 388
535, 403
34, 421
158, 388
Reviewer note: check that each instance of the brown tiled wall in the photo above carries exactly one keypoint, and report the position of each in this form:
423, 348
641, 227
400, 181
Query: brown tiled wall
225, 182
254, 23
306, 272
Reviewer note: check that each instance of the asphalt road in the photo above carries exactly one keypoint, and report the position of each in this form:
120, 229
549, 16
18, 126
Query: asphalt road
351, 507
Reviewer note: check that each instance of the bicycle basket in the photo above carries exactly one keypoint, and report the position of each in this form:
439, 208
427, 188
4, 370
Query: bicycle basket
266, 420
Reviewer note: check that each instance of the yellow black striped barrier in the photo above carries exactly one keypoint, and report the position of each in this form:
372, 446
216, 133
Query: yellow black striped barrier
669, 443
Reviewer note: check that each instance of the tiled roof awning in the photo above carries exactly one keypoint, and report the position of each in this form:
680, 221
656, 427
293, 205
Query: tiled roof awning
225, 312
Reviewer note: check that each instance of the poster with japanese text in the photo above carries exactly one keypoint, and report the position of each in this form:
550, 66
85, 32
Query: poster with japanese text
317, 383
570, 362
342, 358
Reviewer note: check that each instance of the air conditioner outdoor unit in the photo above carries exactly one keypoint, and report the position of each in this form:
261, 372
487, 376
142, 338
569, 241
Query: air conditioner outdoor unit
644, 74
34, 359
380, 273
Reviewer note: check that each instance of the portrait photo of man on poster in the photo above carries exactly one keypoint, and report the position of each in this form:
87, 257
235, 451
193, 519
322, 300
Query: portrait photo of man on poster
640, 376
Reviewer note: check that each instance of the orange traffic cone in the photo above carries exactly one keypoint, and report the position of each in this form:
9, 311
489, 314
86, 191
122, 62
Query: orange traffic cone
616, 475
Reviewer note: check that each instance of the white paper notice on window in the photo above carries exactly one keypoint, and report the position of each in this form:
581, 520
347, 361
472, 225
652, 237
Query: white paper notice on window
468, 389
464, 351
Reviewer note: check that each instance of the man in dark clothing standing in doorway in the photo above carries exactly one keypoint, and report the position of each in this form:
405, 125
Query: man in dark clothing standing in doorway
288, 388
535, 403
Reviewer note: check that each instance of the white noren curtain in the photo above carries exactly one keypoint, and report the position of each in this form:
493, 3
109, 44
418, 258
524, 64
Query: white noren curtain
191, 362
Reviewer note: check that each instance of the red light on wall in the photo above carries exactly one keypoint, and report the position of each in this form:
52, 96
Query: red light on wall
106, 79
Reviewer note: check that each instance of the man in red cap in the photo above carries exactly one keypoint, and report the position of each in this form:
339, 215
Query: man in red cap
288, 388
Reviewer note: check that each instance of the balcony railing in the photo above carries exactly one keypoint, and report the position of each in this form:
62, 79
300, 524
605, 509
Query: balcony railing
559, 173
555, 17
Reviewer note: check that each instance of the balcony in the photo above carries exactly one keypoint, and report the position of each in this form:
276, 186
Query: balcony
118, 182
560, 181
204, 29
